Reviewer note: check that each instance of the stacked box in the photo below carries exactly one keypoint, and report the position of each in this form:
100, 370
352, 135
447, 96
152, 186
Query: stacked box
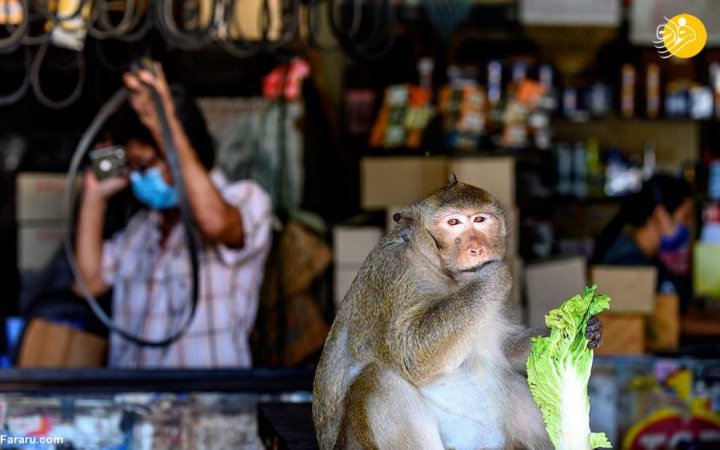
550, 283
623, 334
40, 219
351, 244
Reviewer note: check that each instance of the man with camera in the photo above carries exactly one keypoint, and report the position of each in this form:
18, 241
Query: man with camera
147, 262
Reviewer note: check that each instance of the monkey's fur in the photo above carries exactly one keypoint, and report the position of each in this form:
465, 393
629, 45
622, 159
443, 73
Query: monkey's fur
423, 353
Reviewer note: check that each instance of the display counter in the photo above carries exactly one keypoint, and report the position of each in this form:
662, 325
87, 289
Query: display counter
107, 409
636, 401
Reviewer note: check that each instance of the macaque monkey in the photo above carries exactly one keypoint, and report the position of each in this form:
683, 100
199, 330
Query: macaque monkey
423, 353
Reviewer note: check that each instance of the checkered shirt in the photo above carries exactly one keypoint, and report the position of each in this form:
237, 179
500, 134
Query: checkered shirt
151, 287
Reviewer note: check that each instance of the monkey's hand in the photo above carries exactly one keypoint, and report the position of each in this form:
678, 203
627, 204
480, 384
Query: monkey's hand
594, 332
493, 270
493, 281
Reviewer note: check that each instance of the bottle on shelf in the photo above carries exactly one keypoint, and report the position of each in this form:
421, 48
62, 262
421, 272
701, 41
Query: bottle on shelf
627, 91
580, 186
652, 84
594, 168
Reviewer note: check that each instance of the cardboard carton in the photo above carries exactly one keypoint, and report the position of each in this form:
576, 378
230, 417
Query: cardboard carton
46, 344
548, 284
632, 288
399, 180
37, 244
495, 174
39, 196
623, 334
352, 244
664, 324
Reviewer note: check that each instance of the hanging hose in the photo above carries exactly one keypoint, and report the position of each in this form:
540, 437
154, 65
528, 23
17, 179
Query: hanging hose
37, 89
313, 12
168, 28
379, 42
225, 13
133, 26
185, 214
11, 98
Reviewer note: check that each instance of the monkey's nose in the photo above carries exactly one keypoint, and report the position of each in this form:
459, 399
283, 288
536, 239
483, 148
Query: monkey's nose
475, 251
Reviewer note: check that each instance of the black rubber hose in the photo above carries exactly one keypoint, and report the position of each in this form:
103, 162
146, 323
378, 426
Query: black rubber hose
185, 214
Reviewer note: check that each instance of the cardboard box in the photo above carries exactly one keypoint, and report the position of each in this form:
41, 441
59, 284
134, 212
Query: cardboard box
39, 196
632, 289
623, 334
664, 324
495, 174
352, 244
548, 284
706, 272
399, 180
38, 243
46, 344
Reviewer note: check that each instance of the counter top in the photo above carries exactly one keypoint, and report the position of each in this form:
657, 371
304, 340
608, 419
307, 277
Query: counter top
144, 380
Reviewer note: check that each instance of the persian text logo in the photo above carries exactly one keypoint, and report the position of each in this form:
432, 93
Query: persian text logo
683, 36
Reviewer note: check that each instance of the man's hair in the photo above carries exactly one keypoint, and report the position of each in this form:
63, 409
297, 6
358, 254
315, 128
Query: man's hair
125, 125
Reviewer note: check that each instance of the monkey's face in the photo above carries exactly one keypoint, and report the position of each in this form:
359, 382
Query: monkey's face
467, 239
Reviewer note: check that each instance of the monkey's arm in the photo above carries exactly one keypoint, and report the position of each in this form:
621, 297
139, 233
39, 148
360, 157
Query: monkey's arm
435, 332
517, 347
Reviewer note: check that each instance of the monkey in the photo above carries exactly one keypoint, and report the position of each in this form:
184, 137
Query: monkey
423, 352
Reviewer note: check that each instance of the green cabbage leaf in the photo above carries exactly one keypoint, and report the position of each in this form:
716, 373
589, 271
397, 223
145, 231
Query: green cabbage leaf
559, 371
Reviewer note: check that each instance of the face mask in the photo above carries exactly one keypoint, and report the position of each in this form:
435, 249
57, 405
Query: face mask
677, 240
150, 188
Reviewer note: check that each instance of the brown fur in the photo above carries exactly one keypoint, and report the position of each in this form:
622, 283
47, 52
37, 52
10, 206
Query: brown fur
409, 321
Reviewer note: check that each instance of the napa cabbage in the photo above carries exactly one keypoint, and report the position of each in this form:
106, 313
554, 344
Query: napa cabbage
559, 371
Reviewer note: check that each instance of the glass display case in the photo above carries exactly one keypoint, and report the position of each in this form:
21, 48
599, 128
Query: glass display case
141, 409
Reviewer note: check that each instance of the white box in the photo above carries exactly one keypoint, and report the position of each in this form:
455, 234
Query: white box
39, 196
353, 244
495, 174
548, 284
37, 244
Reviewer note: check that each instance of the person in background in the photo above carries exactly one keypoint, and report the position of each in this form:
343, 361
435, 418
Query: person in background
653, 228
146, 263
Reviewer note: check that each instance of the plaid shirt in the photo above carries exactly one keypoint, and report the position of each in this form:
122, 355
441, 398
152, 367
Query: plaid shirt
151, 287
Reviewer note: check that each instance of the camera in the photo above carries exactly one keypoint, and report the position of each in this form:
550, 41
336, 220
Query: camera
108, 162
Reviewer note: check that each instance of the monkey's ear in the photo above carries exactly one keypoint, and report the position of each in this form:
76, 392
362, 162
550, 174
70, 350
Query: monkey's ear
403, 217
452, 181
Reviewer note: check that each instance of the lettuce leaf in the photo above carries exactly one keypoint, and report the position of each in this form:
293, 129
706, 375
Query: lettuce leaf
559, 370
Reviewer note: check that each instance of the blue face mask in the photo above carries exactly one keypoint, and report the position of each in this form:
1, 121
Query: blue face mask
150, 188
677, 240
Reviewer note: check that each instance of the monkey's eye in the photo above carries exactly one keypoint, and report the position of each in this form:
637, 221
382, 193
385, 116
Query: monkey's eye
479, 219
453, 222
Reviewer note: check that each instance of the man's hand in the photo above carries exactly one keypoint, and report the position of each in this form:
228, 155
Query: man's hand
139, 84
103, 189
